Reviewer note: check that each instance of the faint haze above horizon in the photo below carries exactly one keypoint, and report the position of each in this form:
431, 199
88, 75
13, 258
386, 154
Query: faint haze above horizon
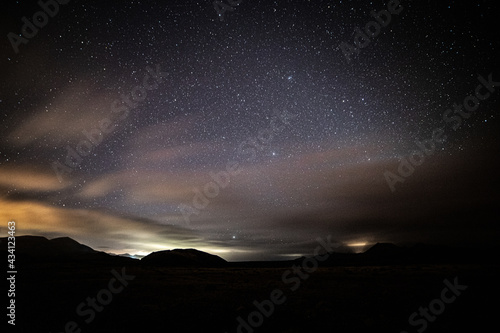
146, 126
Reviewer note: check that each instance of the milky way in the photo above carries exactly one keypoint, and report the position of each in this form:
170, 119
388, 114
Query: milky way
250, 130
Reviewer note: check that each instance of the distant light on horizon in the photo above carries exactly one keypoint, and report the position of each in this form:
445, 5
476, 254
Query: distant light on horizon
356, 244
141, 254
358, 247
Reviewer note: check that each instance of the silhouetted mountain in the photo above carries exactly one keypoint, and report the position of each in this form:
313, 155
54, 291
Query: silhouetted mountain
128, 255
384, 250
69, 245
63, 249
383, 254
391, 254
182, 258
39, 246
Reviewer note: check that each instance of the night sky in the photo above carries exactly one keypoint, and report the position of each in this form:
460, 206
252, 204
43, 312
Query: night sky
138, 126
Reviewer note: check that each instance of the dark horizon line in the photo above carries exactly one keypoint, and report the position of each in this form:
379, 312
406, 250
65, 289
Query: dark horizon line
395, 246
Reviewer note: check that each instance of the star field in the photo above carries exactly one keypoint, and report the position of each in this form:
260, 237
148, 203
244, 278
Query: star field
224, 90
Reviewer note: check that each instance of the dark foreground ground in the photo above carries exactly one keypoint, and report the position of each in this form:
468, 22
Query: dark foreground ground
338, 299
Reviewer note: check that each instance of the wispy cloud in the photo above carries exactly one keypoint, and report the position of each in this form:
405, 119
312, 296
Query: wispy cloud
29, 179
61, 121
95, 228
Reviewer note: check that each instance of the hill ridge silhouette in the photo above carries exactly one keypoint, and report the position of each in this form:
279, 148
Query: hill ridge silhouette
32, 248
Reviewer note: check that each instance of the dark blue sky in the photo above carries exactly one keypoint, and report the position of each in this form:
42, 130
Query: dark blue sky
139, 126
